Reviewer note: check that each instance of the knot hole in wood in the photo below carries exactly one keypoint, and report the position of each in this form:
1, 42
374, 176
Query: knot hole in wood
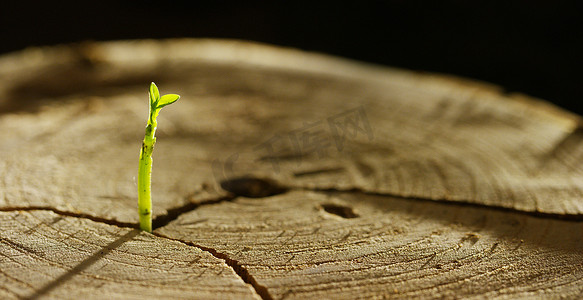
252, 187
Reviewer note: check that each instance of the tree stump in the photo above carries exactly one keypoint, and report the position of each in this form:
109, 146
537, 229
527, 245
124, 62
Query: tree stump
280, 174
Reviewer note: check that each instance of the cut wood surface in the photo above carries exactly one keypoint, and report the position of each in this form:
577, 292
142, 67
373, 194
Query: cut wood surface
49, 255
300, 174
349, 245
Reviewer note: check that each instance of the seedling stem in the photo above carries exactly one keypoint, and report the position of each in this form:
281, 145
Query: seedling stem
145, 169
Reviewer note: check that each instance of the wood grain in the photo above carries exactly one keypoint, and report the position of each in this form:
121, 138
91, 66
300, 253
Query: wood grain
49, 256
76, 119
389, 247
300, 174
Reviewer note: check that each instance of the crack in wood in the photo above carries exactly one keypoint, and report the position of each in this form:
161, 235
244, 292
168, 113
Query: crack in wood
417, 118
173, 213
70, 214
459, 203
160, 221
237, 267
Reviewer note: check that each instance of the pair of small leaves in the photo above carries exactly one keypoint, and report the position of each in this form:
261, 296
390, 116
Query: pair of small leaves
157, 102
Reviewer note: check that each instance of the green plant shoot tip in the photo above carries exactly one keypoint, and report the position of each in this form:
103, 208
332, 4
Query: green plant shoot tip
145, 169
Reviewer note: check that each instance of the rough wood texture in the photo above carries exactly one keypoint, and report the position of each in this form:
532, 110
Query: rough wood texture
376, 182
303, 245
52, 256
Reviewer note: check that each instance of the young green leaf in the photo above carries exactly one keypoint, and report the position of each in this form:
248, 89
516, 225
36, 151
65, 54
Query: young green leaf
167, 100
154, 94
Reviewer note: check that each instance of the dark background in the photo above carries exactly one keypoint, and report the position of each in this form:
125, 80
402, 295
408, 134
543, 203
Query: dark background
533, 47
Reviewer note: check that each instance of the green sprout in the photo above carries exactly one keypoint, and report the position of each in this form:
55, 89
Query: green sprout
145, 170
